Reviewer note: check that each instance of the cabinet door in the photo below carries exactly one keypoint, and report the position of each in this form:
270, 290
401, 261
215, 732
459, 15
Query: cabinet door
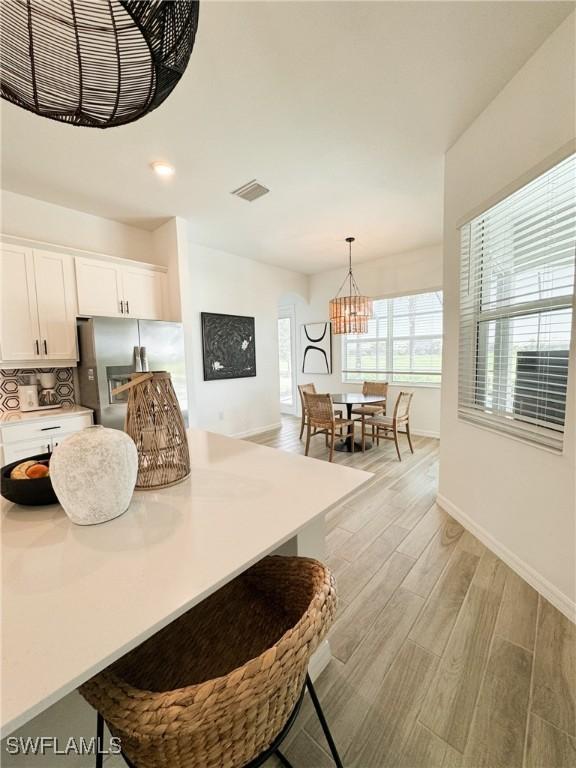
54, 274
143, 292
17, 451
99, 288
19, 331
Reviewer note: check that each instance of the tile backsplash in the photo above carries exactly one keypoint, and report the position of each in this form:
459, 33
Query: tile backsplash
9, 386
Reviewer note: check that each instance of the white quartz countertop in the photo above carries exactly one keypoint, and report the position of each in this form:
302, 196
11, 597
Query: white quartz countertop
26, 417
76, 598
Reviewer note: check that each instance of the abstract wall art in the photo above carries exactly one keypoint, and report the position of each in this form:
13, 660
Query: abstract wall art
228, 346
316, 346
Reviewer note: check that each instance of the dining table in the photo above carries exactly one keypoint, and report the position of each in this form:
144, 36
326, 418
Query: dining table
351, 400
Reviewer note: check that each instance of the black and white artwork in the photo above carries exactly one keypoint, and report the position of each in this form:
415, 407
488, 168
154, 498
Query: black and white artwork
228, 346
316, 346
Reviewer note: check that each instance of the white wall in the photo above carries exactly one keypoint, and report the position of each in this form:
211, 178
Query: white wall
403, 273
33, 219
518, 498
223, 282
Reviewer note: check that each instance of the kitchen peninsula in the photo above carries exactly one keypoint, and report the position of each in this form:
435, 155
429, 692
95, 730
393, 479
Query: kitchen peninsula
77, 598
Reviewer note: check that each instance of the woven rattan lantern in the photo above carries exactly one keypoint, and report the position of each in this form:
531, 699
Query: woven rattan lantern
95, 63
350, 313
154, 421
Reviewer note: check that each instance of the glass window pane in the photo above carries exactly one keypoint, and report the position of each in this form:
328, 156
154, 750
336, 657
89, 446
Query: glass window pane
428, 325
402, 326
285, 361
401, 359
427, 355
523, 367
411, 358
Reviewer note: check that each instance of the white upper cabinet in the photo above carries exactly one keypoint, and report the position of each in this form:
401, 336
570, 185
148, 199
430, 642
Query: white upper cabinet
55, 292
42, 291
38, 306
99, 286
19, 330
143, 292
111, 289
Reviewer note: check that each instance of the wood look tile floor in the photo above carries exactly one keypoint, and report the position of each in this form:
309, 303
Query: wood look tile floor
443, 657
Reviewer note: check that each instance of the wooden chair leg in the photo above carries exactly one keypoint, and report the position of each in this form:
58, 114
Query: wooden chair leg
409, 436
302, 425
332, 438
308, 434
396, 442
352, 436
363, 435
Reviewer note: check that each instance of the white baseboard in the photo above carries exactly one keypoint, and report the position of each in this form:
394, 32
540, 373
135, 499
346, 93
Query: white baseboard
257, 431
541, 585
424, 433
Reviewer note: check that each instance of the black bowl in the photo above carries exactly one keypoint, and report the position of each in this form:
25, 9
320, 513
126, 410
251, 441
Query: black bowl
30, 493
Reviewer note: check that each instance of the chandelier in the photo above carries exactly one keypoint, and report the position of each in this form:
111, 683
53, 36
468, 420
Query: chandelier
350, 313
94, 63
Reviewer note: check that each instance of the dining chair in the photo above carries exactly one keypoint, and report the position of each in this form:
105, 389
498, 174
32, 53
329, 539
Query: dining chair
373, 409
302, 389
387, 427
373, 388
310, 389
321, 420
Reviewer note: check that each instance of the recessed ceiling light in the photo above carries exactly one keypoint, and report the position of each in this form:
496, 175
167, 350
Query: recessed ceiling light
163, 169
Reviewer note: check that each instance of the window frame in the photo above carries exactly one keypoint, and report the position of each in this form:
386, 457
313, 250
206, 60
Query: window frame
473, 332
389, 340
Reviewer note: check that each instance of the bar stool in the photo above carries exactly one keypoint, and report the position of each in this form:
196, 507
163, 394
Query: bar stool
221, 686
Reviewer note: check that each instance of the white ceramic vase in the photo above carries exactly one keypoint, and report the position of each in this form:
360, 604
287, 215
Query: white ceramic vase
93, 474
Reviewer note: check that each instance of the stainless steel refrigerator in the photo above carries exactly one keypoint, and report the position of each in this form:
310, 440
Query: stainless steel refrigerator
111, 349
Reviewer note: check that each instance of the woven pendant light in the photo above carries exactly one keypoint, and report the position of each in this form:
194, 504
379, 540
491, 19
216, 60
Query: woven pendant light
94, 63
350, 314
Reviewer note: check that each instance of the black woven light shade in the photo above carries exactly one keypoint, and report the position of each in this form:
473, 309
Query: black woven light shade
95, 63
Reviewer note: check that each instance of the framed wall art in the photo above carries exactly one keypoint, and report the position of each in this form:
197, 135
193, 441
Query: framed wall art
228, 346
316, 346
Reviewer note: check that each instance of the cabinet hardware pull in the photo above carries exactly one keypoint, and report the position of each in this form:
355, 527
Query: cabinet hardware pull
45, 347
127, 308
121, 307
37, 347
45, 429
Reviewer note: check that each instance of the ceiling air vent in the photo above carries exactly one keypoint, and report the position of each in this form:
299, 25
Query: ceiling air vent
251, 191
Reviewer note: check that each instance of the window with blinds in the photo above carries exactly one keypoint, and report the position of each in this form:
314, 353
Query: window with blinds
516, 306
403, 343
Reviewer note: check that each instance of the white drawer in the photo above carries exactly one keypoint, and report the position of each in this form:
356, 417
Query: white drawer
45, 428
17, 451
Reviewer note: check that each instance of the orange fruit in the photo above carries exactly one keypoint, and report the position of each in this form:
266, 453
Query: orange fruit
36, 471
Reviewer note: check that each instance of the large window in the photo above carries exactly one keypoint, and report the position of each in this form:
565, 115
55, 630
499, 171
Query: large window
516, 298
403, 343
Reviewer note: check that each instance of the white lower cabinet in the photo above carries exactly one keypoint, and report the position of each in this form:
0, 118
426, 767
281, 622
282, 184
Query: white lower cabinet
25, 450
20, 440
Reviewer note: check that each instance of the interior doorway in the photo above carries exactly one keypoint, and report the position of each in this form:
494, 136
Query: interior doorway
287, 359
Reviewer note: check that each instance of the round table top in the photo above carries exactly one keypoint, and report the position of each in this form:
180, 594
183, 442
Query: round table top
356, 398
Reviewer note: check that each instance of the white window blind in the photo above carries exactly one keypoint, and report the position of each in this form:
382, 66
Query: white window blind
516, 305
403, 343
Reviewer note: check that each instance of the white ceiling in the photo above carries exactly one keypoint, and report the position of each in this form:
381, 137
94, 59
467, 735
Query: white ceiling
343, 109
